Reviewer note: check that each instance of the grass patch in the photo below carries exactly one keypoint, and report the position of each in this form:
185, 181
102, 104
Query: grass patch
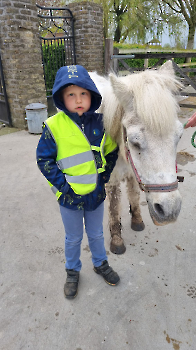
7, 130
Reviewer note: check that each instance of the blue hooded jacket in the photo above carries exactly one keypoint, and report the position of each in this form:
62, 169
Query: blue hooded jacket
91, 124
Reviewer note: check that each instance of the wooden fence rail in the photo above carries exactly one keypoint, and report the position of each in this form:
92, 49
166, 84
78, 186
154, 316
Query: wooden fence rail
183, 70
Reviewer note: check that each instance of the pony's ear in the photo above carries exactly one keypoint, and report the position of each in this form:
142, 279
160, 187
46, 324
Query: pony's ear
167, 67
114, 81
171, 81
121, 90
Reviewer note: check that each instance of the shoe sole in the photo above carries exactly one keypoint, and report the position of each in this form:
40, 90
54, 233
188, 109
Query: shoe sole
111, 284
70, 297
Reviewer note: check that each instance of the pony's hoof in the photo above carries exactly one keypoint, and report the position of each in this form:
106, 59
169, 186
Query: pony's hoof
137, 226
117, 245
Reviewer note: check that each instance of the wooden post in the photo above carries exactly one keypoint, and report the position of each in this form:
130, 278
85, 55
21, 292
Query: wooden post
108, 55
115, 60
188, 60
146, 63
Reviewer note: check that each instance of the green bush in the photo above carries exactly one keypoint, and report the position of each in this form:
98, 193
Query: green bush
55, 55
139, 63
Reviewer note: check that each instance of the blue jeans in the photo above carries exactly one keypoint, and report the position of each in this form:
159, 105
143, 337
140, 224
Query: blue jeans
73, 223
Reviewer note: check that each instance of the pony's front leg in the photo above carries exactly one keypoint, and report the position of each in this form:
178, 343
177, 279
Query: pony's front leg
114, 195
133, 192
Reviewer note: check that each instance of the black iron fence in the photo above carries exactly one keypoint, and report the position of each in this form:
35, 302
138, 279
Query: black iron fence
56, 28
5, 115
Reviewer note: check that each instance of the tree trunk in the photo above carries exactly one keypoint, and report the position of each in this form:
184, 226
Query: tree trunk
190, 42
191, 36
117, 34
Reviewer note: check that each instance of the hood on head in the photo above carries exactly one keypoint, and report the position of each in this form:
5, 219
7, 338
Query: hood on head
75, 75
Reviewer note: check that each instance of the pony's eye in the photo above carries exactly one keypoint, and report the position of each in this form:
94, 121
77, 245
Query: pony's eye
136, 145
136, 140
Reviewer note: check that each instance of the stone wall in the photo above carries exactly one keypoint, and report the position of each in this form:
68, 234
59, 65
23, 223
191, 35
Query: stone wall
21, 51
21, 57
88, 34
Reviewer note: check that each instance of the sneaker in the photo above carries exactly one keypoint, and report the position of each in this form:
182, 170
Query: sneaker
109, 275
71, 285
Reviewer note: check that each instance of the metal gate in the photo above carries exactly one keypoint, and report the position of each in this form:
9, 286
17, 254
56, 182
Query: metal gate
56, 28
5, 115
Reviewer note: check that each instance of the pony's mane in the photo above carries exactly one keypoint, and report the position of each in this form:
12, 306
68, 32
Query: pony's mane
154, 99
110, 107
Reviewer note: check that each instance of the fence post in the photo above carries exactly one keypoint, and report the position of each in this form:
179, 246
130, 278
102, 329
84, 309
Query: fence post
115, 60
108, 54
146, 63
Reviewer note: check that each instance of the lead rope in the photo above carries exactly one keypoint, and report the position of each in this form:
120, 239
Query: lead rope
192, 138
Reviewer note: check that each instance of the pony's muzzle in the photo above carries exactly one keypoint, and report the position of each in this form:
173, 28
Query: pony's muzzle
165, 208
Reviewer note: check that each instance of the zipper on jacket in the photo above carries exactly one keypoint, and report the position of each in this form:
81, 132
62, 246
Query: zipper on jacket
91, 150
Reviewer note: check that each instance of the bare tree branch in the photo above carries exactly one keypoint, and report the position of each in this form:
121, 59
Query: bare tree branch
188, 5
184, 12
173, 8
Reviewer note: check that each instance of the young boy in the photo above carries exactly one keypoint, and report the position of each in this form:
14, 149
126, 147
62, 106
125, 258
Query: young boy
77, 158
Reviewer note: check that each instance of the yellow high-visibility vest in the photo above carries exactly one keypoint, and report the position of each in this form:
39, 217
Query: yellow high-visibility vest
75, 156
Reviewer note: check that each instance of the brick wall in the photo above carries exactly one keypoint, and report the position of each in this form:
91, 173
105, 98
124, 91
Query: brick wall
21, 52
21, 57
88, 34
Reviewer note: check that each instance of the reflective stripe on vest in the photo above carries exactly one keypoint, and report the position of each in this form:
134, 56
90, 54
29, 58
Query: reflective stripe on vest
76, 159
82, 179
55, 190
74, 154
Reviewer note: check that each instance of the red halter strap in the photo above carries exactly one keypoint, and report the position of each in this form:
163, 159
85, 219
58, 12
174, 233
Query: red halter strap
147, 187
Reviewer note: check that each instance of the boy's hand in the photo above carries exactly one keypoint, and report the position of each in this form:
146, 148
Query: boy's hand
105, 179
70, 191
191, 121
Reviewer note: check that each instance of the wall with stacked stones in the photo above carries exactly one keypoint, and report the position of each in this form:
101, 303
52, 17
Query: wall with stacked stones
21, 51
88, 26
21, 57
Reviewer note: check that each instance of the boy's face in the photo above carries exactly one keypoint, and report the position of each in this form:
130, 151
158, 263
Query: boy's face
76, 99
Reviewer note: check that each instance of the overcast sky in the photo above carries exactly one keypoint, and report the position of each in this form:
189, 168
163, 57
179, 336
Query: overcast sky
167, 40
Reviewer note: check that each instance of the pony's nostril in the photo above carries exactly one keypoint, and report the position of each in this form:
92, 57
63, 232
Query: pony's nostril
159, 209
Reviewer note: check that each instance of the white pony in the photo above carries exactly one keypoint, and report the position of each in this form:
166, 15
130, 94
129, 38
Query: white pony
140, 113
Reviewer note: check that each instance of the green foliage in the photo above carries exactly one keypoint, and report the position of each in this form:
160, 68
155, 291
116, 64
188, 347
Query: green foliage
135, 46
167, 46
54, 57
129, 46
50, 64
132, 19
125, 19
176, 14
139, 63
